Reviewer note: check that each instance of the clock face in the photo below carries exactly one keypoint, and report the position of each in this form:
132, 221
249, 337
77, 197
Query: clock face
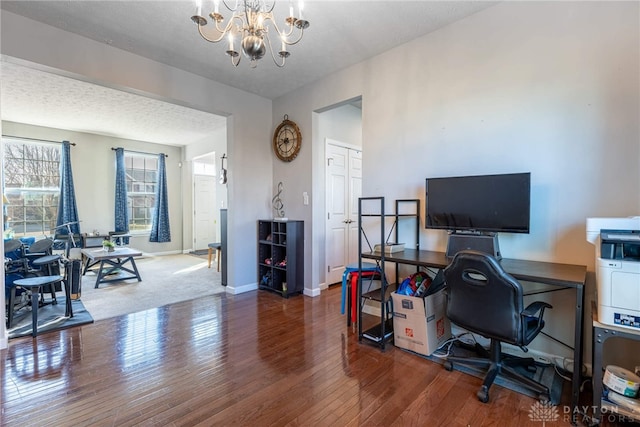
287, 140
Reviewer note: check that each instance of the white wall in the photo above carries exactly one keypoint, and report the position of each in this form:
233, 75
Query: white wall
342, 123
546, 87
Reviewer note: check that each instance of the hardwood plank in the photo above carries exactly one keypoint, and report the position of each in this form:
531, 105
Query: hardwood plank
250, 359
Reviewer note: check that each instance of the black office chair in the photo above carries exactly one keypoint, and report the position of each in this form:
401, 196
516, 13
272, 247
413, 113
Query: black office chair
482, 298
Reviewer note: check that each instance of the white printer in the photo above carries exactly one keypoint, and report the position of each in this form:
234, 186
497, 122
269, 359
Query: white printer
617, 242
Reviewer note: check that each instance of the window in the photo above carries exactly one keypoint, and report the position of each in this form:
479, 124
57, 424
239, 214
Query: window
32, 186
142, 172
202, 167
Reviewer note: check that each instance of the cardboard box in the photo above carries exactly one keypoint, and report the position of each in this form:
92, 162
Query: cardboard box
420, 324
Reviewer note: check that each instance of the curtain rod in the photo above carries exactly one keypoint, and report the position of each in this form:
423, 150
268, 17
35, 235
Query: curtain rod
139, 152
36, 139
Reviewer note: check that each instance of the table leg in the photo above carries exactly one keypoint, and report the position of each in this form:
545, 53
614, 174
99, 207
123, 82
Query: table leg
34, 310
68, 312
133, 264
100, 274
600, 336
577, 356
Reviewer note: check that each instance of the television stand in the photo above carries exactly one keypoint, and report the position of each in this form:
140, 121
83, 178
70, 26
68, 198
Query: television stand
487, 243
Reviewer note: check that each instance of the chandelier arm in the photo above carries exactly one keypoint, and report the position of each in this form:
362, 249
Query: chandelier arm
273, 4
288, 33
288, 43
223, 32
232, 9
227, 28
275, 61
275, 25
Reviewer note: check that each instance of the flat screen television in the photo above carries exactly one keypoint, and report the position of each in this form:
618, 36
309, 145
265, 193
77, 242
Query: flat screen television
480, 203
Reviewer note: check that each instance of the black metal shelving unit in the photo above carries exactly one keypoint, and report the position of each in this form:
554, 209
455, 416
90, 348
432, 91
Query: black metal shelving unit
374, 207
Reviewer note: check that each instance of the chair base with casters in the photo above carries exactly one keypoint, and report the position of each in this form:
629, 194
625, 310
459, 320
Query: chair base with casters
218, 248
500, 364
485, 300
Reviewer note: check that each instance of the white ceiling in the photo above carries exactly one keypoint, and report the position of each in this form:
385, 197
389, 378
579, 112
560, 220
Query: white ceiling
341, 33
45, 99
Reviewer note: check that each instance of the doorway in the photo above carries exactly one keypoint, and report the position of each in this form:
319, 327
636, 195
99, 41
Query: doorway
343, 189
205, 215
339, 127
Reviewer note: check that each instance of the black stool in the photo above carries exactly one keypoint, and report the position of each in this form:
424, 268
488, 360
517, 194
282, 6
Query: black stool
34, 284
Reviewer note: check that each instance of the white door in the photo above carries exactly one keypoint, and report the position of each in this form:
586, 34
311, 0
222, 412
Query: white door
343, 188
204, 203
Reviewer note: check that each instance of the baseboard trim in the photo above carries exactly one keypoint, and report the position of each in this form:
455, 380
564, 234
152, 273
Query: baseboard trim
178, 252
242, 289
312, 292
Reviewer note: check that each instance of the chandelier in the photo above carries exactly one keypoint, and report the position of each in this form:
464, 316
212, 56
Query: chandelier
250, 23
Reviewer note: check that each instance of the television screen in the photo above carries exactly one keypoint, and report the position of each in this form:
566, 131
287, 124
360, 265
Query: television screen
481, 203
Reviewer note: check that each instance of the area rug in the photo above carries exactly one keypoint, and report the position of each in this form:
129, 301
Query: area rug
166, 279
200, 252
50, 318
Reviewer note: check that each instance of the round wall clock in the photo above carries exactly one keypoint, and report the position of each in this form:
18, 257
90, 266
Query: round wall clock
287, 140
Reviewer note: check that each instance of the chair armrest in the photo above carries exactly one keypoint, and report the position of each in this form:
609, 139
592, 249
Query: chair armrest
534, 307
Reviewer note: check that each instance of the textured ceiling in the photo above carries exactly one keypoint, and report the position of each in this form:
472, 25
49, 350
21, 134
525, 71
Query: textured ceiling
44, 99
341, 33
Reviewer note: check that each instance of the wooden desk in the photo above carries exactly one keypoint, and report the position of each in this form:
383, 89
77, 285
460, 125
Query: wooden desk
110, 261
561, 275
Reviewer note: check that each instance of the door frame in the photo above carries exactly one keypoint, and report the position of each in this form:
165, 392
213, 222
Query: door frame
330, 141
193, 197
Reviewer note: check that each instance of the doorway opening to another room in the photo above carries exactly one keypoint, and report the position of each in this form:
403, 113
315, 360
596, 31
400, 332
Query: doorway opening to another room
206, 216
340, 127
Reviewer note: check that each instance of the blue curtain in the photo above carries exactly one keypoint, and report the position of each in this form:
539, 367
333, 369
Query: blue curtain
67, 209
121, 210
160, 231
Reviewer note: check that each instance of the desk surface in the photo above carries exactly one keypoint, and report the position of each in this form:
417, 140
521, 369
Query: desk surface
100, 254
535, 271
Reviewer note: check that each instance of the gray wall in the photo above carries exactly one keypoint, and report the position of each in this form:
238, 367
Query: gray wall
546, 87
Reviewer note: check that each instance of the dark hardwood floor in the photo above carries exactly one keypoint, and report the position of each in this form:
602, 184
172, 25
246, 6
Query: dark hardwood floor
254, 359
